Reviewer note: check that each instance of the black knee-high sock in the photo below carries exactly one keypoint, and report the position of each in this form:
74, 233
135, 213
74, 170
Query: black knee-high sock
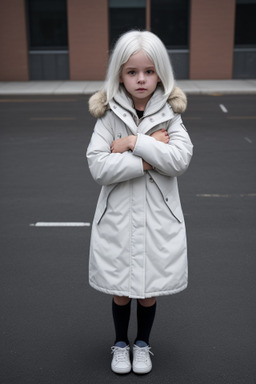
145, 318
121, 316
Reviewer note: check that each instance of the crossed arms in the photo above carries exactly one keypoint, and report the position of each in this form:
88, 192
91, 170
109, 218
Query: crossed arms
129, 157
128, 143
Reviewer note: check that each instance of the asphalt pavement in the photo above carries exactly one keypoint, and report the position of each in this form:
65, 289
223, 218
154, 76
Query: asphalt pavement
55, 329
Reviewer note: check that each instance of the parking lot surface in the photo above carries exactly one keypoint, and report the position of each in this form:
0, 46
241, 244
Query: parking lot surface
55, 329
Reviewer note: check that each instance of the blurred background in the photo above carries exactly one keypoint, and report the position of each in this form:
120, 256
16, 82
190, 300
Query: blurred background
71, 39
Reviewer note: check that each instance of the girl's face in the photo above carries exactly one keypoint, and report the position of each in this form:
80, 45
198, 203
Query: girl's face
140, 79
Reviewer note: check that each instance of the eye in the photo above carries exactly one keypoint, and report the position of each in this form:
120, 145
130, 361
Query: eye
150, 71
131, 72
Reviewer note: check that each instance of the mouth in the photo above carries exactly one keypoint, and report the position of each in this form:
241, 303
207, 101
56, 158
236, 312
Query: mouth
141, 89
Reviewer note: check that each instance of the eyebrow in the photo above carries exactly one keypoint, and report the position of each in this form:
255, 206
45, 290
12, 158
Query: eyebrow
150, 67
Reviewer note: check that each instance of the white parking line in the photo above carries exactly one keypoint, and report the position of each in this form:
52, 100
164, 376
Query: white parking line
248, 140
60, 224
218, 195
212, 195
223, 108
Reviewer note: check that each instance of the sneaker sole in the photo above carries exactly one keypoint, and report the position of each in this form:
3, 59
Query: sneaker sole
142, 372
121, 372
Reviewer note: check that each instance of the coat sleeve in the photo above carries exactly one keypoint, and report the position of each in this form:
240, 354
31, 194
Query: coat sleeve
170, 159
108, 168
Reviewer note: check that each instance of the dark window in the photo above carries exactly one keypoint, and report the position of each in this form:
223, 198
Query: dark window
170, 22
125, 15
245, 31
47, 24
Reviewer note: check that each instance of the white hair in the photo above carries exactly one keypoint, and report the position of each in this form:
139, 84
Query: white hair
133, 42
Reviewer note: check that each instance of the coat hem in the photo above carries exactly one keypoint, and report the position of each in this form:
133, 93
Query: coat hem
145, 296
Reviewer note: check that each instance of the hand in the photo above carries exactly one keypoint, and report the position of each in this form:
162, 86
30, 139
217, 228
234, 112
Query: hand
161, 135
124, 144
146, 166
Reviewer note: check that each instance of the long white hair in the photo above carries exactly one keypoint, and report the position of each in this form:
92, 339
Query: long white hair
130, 43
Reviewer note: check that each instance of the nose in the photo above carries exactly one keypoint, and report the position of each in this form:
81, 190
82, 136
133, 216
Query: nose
141, 77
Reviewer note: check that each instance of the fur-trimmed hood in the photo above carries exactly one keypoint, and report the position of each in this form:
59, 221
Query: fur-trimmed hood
98, 106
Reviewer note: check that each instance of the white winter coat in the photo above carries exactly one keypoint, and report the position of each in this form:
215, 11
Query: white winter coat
138, 241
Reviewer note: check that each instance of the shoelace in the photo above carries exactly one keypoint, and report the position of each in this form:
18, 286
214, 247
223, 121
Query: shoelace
121, 353
142, 352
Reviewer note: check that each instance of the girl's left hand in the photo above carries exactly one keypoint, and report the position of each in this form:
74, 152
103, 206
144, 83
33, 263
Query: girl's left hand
161, 135
124, 144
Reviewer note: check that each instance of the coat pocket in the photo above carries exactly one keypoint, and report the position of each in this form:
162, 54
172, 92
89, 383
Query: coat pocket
175, 209
103, 202
169, 191
99, 214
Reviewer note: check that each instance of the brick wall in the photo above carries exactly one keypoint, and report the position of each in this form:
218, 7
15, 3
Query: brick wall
88, 39
211, 39
13, 41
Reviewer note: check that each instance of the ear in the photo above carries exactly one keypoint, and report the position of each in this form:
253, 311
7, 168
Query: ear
120, 79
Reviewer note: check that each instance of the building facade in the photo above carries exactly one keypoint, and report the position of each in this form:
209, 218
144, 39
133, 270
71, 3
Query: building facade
72, 39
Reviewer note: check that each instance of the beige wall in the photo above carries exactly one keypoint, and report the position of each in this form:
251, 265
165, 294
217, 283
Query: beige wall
88, 39
212, 39
13, 41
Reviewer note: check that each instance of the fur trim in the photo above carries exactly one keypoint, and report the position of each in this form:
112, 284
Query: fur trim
178, 100
98, 106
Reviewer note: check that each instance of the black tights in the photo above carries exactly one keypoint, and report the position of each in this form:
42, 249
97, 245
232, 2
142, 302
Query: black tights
145, 320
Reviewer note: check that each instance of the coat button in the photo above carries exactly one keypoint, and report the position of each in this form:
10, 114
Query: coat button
166, 199
151, 180
163, 114
124, 115
151, 119
114, 106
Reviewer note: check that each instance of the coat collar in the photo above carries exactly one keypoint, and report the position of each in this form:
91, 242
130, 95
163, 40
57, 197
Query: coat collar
156, 112
156, 102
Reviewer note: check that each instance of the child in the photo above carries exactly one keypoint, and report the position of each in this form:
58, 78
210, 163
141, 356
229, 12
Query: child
138, 148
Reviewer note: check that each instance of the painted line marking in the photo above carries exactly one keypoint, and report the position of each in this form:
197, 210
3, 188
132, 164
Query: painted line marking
223, 108
211, 195
52, 118
248, 140
217, 195
60, 224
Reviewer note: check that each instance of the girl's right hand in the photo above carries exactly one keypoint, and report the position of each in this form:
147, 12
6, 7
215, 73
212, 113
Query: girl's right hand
161, 135
123, 144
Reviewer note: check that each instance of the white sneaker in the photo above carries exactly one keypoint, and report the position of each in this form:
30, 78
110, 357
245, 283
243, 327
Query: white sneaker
141, 359
121, 359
